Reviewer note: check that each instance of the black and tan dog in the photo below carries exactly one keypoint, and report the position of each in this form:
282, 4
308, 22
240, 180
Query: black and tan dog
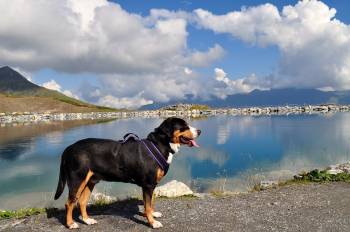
88, 161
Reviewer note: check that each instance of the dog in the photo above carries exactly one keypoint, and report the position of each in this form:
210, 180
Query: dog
141, 162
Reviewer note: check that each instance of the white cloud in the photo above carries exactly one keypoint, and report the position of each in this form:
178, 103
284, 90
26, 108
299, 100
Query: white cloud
188, 71
229, 86
199, 58
173, 83
124, 102
132, 54
123, 49
70, 94
314, 46
92, 36
53, 85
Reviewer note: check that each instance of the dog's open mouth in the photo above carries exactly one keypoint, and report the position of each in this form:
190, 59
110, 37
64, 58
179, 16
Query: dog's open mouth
190, 142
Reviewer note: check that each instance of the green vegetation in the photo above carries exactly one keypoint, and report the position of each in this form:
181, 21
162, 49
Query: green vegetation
72, 101
14, 85
21, 213
199, 107
185, 197
314, 176
322, 176
43, 94
101, 202
219, 193
185, 107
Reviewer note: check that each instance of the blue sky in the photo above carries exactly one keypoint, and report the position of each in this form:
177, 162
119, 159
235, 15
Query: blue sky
227, 47
241, 58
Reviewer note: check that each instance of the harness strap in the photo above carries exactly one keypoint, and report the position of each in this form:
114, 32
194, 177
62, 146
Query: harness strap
155, 154
129, 136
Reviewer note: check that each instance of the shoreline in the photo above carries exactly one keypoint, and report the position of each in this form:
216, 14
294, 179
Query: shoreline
330, 174
32, 117
287, 208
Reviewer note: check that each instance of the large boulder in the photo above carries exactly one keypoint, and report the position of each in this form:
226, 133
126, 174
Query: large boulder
173, 188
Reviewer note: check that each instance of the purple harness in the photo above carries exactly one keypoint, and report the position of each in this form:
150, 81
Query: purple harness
153, 151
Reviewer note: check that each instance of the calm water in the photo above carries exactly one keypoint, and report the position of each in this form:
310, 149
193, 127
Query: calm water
235, 153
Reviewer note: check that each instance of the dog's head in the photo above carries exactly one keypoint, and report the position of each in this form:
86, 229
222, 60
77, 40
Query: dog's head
179, 132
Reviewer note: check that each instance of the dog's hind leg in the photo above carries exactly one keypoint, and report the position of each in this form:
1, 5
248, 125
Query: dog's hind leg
83, 200
69, 214
76, 188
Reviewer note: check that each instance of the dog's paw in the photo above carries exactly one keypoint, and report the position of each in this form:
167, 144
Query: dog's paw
89, 221
74, 225
156, 224
157, 214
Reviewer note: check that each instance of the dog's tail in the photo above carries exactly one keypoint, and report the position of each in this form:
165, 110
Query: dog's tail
62, 180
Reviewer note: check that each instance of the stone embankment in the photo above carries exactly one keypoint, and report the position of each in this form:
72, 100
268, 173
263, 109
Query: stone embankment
18, 117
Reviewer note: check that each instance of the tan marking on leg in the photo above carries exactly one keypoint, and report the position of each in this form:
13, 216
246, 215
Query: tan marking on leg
147, 201
155, 214
160, 174
69, 213
152, 201
147, 198
84, 183
71, 202
83, 200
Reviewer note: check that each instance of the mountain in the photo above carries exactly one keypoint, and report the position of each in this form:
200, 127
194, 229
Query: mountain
12, 82
273, 97
17, 94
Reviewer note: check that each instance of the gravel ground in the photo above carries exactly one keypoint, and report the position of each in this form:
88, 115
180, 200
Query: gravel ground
310, 207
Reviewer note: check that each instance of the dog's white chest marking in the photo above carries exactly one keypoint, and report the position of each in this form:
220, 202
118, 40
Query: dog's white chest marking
170, 158
175, 147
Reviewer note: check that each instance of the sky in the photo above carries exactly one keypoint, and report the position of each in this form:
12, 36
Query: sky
131, 53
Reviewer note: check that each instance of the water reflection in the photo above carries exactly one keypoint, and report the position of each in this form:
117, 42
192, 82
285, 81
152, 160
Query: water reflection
235, 153
12, 151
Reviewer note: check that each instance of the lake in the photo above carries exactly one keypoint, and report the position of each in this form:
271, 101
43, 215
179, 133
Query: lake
236, 152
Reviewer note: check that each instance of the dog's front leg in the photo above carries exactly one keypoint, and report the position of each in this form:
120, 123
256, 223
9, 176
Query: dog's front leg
155, 214
147, 200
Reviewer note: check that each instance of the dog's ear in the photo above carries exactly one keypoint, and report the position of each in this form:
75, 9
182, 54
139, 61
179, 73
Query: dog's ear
166, 128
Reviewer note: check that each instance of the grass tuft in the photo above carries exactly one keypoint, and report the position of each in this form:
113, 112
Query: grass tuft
184, 197
218, 193
322, 176
314, 176
21, 213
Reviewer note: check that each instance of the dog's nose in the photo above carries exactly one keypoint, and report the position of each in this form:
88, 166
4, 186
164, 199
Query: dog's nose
199, 132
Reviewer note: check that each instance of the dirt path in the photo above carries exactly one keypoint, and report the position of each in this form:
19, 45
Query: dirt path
311, 207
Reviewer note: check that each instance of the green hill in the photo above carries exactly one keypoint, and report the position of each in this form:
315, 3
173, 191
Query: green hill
17, 94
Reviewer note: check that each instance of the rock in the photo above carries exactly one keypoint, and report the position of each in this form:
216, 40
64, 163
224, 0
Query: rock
173, 188
334, 171
345, 167
102, 198
338, 168
265, 184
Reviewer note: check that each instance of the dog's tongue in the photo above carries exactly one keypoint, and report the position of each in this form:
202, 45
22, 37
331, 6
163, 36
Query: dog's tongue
194, 143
